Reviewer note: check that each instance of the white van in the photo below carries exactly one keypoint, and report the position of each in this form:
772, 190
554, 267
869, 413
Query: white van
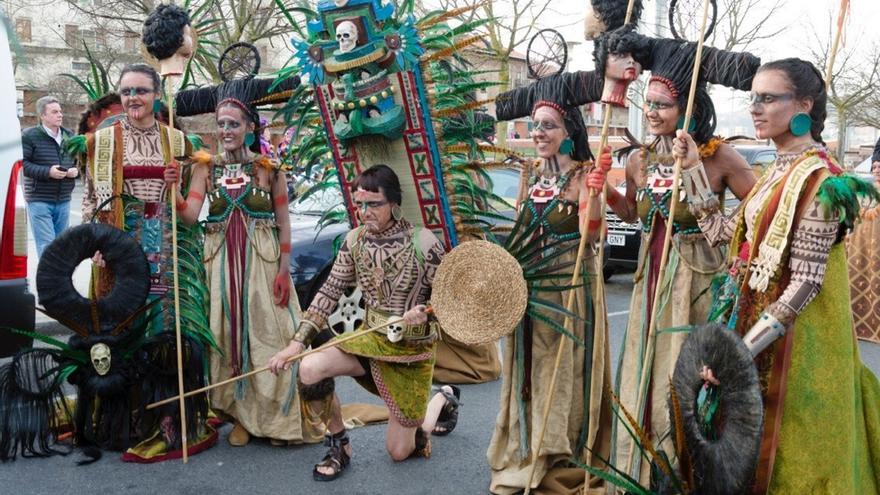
18, 303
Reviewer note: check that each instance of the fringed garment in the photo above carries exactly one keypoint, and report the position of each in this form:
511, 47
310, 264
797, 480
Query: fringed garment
685, 299
241, 259
395, 270
125, 188
579, 419
821, 404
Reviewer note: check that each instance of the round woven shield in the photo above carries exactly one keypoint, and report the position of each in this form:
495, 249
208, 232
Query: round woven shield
479, 293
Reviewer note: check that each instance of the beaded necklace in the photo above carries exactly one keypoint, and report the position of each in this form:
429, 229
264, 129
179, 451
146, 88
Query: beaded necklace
248, 182
558, 201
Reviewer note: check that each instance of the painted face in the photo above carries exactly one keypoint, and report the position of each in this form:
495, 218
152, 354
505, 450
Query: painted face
661, 109
773, 104
52, 115
374, 210
176, 64
548, 131
138, 94
232, 127
620, 70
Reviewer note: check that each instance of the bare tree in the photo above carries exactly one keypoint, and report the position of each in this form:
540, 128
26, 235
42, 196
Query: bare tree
220, 23
855, 82
742, 23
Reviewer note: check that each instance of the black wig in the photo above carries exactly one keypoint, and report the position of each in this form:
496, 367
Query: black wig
613, 12
163, 30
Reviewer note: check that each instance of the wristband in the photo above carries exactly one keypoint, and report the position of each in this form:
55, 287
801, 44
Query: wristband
280, 200
594, 224
195, 195
284, 247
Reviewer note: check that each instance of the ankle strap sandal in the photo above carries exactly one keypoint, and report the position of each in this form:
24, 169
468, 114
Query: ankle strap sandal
336, 458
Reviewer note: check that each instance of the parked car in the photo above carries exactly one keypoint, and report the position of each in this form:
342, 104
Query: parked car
18, 302
623, 239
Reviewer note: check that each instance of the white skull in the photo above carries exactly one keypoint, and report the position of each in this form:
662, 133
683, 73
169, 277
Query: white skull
347, 36
395, 332
100, 354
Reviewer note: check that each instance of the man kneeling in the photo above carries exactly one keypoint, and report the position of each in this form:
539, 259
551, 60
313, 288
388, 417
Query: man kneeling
393, 263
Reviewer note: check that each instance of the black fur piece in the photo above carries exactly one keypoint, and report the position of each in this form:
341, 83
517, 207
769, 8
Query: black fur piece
30, 392
159, 381
317, 391
123, 256
613, 12
725, 465
163, 30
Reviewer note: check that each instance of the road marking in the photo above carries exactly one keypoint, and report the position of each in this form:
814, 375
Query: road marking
618, 313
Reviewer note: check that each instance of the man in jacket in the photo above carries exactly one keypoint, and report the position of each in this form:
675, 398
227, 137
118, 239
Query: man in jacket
49, 173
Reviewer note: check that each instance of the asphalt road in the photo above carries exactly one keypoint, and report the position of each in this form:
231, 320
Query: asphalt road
457, 466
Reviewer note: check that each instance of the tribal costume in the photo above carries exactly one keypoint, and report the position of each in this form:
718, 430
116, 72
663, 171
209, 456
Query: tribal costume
787, 263
241, 256
125, 188
394, 269
580, 419
863, 250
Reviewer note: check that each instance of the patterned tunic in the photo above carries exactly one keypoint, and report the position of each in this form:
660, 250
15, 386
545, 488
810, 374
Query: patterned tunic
395, 270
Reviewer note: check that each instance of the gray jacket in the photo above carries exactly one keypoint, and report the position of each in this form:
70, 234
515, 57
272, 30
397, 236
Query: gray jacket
40, 152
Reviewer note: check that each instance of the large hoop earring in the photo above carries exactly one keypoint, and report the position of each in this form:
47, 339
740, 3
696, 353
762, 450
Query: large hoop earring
396, 213
800, 124
566, 146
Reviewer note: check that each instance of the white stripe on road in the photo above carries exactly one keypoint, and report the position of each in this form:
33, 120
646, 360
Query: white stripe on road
618, 313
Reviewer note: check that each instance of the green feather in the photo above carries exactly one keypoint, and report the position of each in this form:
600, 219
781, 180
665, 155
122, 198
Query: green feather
75, 145
841, 194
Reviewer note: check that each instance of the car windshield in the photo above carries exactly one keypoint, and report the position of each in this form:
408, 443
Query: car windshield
318, 203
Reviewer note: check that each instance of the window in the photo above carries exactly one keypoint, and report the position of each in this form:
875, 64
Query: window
100, 38
80, 66
23, 29
131, 41
71, 35
88, 38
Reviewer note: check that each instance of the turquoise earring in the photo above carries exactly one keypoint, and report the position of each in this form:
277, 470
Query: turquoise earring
157, 106
692, 125
566, 146
800, 124
249, 139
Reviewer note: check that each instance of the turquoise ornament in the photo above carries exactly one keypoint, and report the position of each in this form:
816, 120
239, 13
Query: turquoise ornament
157, 106
566, 146
800, 124
249, 139
692, 125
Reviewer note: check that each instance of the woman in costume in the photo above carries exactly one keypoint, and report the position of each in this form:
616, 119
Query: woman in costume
685, 295
789, 294
863, 249
253, 311
551, 201
393, 263
125, 187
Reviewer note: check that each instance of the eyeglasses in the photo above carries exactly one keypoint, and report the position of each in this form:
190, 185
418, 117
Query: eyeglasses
653, 106
371, 205
139, 91
545, 125
758, 100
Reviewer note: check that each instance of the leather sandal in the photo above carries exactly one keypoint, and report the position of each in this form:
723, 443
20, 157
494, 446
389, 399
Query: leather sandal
336, 457
423, 444
448, 418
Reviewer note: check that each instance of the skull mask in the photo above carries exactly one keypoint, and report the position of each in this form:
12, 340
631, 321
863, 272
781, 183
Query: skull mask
347, 36
100, 354
395, 332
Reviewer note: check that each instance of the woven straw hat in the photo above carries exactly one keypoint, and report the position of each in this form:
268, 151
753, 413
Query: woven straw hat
479, 294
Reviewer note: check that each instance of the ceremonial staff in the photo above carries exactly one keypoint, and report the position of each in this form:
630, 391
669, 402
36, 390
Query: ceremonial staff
676, 175
569, 306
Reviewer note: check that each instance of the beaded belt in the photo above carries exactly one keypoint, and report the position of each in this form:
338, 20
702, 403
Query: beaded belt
375, 317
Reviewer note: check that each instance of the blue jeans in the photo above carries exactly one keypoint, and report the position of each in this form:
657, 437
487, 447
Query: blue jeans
47, 221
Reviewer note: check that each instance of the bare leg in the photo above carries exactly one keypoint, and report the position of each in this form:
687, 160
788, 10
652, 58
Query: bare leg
434, 407
329, 363
400, 441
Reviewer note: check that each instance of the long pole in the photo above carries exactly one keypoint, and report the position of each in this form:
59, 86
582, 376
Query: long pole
841, 16
658, 284
332, 343
172, 191
569, 306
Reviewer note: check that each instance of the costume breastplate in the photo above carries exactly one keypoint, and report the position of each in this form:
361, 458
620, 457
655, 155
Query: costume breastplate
558, 216
237, 189
655, 196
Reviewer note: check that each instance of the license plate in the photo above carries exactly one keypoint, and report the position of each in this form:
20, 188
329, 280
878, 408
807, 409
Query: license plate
617, 239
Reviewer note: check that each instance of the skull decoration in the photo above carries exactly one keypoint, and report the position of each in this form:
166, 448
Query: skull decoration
100, 355
395, 332
347, 36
